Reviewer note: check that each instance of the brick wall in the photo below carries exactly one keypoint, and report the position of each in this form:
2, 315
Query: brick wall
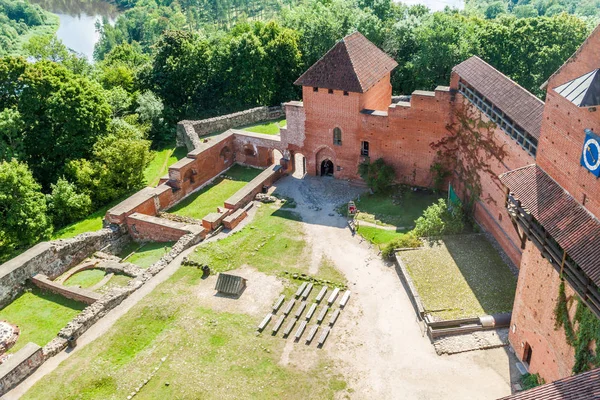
533, 318
149, 228
70, 292
378, 97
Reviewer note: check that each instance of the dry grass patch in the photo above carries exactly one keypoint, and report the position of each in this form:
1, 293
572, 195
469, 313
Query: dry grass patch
461, 276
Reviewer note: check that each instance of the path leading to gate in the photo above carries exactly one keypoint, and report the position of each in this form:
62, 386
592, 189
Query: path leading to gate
377, 344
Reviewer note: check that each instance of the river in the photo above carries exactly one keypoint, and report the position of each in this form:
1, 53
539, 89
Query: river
78, 18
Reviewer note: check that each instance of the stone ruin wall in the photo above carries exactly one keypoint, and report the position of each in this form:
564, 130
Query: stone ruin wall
54, 258
189, 132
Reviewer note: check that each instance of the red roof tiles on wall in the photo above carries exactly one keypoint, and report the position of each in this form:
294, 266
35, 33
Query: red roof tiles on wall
575, 229
585, 386
516, 102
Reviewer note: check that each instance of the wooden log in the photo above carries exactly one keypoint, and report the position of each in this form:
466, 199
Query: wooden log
334, 317
264, 322
321, 294
289, 327
307, 291
333, 296
345, 299
312, 333
289, 306
324, 335
322, 314
311, 311
300, 330
300, 310
278, 324
278, 303
301, 289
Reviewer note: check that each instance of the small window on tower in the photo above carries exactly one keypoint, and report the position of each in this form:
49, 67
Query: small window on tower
330, 91
345, 93
337, 136
315, 89
364, 148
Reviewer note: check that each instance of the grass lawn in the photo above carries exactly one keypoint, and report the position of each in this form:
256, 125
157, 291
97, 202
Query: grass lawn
39, 315
268, 127
378, 236
210, 354
92, 223
206, 201
381, 209
163, 158
86, 279
461, 276
149, 253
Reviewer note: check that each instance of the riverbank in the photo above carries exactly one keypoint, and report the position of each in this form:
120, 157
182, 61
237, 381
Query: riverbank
52, 22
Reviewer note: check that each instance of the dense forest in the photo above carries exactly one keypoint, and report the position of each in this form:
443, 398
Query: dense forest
75, 136
534, 8
18, 20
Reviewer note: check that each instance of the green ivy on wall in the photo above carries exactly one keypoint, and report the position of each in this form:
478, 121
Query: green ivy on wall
580, 333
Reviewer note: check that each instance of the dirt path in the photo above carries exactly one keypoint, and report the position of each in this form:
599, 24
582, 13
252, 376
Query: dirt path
377, 344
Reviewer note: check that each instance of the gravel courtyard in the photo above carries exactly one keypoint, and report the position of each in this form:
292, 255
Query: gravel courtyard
379, 346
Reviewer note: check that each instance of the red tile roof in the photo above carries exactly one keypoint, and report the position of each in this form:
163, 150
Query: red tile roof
575, 229
585, 386
354, 64
521, 106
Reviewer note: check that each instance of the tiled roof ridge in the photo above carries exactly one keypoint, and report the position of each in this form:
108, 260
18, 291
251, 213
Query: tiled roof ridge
350, 58
506, 76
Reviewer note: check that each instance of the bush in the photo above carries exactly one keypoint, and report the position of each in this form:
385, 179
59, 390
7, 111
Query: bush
378, 175
406, 241
529, 381
438, 219
65, 204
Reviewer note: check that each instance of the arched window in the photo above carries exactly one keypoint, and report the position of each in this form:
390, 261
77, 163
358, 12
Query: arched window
337, 136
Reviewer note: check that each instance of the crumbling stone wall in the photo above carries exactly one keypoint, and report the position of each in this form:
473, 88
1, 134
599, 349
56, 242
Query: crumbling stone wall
54, 258
19, 366
189, 132
84, 320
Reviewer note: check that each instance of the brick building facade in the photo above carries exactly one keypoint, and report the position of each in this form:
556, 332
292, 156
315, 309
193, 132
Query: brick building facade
347, 116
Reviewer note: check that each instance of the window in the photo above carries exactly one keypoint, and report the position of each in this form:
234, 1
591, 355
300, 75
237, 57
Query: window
330, 91
337, 136
345, 93
364, 149
315, 89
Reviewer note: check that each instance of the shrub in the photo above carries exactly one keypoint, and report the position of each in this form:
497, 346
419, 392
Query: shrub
529, 381
66, 204
405, 241
438, 219
378, 175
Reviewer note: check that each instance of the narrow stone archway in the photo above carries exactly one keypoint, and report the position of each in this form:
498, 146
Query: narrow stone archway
327, 168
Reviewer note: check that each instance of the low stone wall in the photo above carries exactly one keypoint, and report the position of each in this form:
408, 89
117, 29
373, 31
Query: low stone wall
54, 258
149, 228
252, 188
189, 132
110, 300
73, 293
20, 366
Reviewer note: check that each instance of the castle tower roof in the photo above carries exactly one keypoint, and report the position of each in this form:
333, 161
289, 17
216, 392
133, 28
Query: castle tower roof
354, 64
583, 91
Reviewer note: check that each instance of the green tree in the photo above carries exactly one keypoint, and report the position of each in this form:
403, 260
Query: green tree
63, 116
65, 204
23, 218
378, 175
116, 167
11, 134
438, 219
